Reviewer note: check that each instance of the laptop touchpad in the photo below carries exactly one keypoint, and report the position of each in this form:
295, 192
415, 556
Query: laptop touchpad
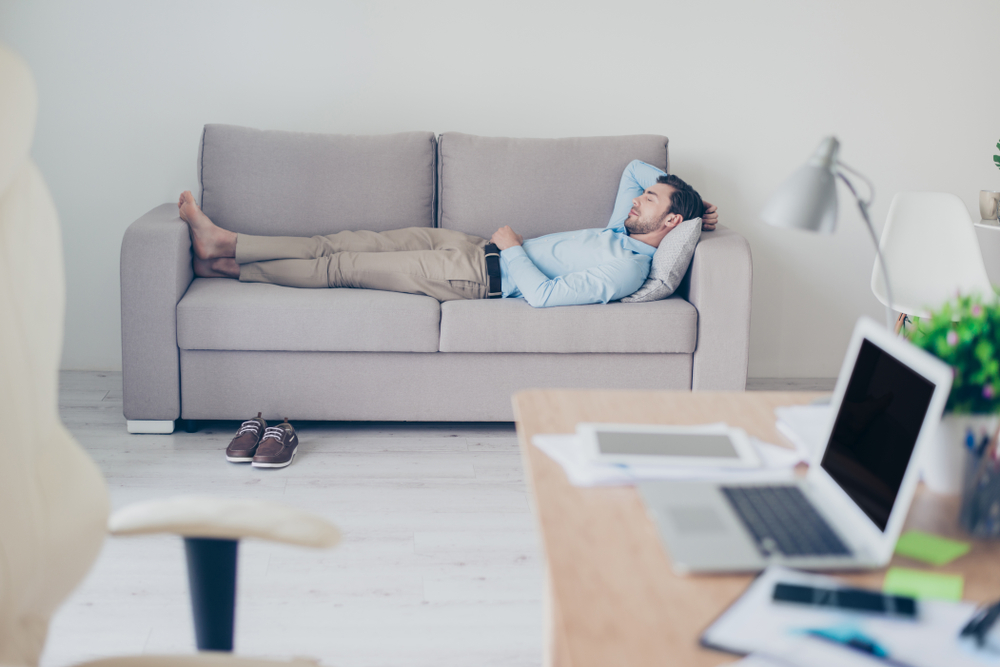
696, 520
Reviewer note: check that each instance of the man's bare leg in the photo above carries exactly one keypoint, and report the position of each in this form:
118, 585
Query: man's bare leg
210, 241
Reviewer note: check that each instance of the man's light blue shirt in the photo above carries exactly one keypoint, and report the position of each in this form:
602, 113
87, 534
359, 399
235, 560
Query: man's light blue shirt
585, 266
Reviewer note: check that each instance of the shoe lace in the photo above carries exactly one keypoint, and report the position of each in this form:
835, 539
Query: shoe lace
275, 432
251, 426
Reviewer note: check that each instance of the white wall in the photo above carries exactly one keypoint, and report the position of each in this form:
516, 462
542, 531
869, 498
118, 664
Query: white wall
744, 90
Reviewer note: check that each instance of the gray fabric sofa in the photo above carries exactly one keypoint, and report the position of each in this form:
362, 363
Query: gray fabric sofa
196, 348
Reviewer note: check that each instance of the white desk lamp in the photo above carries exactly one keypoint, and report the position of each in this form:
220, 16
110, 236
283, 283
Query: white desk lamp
808, 200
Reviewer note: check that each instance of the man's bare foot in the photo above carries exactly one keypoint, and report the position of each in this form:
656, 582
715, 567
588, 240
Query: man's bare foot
221, 267
209, 240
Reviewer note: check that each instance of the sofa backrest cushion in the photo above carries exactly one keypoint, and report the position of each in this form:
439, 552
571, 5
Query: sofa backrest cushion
277, 183
537, 186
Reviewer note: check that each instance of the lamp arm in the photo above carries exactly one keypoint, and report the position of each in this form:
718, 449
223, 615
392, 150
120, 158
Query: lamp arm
855, 172
890, 319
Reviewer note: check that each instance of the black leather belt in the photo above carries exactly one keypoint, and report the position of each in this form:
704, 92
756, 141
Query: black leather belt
495, 290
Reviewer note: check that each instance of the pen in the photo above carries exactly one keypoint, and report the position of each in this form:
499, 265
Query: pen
853, 640
981, 623
981, 447
858, 642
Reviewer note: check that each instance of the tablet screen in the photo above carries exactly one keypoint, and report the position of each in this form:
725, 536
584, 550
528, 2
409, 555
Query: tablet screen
666, 444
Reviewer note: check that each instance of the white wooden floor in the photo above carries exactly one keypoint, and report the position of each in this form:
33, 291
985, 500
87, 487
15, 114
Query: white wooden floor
439, 564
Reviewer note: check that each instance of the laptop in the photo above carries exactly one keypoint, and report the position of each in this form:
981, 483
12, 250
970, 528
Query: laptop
848, 510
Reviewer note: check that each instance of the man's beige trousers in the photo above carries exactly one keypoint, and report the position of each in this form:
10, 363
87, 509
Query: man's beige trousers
440, 263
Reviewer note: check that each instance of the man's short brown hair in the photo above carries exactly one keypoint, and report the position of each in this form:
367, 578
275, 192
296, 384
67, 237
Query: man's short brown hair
685, 200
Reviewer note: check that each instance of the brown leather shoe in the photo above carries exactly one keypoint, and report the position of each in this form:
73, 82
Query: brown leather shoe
244, 445
277, 447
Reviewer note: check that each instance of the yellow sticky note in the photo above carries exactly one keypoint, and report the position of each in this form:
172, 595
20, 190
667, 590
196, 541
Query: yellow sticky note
923, 585
929, 548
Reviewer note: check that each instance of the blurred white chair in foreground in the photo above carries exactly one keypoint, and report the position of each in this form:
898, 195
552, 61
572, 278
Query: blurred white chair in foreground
53, 499
931, 251
988, 233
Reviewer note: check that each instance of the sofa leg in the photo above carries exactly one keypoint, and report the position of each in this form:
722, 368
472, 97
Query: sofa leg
160, 426
190, 425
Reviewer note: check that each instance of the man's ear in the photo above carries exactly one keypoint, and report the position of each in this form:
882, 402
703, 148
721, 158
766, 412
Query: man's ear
672, 220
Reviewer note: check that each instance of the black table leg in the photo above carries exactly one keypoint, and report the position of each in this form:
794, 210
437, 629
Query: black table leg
212, 579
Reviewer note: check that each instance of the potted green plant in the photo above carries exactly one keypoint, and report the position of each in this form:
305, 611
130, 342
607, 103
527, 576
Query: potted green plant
965, 334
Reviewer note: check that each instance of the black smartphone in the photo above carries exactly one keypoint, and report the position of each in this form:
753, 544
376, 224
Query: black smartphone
853, 599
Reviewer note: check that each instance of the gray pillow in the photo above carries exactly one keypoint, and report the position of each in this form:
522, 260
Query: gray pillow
670, 263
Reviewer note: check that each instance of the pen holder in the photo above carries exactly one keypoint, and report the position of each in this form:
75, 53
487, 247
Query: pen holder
980, 513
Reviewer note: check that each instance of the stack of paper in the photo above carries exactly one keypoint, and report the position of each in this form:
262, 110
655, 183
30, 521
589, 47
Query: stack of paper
775, 631
566, 449
808, 652
805, 425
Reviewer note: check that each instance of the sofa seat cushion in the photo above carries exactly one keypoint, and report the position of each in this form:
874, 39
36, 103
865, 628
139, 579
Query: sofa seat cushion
511, 325
222, 314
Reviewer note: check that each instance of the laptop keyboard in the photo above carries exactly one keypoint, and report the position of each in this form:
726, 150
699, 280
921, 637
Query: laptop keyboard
782, 520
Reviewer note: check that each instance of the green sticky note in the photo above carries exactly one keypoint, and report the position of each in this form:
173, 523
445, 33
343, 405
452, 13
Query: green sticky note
929, 548
923, 585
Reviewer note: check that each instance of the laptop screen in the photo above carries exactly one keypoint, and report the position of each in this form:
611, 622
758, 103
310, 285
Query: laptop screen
876, 430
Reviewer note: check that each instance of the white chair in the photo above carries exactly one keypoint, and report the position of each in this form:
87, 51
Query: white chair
931, 251
53, 499
988, 233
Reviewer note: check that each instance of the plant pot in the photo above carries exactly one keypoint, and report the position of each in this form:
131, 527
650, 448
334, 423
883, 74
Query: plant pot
943, 463
989, 203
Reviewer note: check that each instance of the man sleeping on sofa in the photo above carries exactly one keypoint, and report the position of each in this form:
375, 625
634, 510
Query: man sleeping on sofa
562, 269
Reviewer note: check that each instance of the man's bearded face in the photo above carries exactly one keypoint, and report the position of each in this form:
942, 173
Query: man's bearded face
644, 223
649, 209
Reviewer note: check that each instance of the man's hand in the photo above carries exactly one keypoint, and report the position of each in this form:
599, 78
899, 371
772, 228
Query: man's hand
505, 238
710, 217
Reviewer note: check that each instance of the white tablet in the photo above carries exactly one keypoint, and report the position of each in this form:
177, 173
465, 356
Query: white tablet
715, 445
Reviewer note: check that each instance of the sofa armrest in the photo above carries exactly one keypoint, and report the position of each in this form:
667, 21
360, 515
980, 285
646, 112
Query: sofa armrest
155, 273
719, 287
224, 519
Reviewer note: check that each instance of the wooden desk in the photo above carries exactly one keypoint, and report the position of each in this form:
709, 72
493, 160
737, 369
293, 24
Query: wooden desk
611, 596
